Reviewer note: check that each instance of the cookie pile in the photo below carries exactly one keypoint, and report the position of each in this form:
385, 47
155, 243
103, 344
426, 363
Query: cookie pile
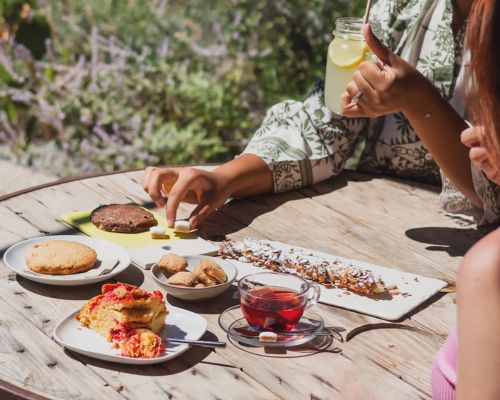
207, 272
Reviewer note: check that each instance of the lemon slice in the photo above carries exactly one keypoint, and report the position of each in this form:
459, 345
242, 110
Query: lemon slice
347, 54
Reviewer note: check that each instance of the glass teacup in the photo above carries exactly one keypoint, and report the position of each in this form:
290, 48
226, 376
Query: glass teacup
275, 302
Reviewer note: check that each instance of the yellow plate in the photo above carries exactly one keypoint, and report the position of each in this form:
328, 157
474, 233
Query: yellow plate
81, 221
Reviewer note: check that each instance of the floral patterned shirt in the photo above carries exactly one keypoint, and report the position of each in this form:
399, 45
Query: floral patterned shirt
304, 143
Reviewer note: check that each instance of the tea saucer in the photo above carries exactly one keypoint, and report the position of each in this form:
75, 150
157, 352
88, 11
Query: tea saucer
236, 326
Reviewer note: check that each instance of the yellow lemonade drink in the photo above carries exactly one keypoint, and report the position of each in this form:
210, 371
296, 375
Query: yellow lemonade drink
345, 52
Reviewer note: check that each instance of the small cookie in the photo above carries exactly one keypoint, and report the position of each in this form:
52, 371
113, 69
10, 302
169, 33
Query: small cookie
213, 270
172, 263
199, 285
60, 257
123, 218
202, 277
183, 278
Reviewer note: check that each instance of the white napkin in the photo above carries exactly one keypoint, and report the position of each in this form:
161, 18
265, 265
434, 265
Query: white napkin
99, 267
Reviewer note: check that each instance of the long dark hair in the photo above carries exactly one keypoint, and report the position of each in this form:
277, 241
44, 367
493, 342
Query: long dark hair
483, 43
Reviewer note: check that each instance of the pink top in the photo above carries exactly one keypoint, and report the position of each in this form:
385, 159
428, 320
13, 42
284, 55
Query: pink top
444, 370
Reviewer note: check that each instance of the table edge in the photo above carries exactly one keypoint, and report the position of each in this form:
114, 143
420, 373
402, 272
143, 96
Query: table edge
9, 391
61, 181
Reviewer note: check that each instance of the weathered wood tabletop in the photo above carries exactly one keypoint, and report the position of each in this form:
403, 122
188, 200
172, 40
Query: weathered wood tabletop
384, 221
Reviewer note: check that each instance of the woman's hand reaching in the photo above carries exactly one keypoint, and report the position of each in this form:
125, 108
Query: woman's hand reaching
243, 176
208, 190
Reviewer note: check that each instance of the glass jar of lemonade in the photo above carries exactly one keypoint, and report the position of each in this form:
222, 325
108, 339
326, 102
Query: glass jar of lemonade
346, 51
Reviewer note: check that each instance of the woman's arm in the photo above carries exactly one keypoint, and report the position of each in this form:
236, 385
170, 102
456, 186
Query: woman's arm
479, 321
393, 85
439, 126
246, 175
298, 144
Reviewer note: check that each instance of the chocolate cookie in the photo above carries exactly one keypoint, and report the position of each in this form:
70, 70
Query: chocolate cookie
123, 218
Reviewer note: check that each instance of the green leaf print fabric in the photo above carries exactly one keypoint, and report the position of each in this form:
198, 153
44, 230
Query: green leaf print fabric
303, 142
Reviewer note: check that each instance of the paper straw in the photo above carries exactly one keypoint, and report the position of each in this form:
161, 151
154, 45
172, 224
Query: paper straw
367, 11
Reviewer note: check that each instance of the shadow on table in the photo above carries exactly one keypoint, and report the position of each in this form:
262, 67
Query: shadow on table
132, 275
60, 292
453, 241
383, 325
398, 324
184, 362
211, 306
320, 344
240, 213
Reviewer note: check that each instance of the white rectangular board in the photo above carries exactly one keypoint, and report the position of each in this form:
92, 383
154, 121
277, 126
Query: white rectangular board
146, 256
391, 308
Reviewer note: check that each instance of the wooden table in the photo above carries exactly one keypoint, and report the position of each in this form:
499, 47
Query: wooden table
378, 220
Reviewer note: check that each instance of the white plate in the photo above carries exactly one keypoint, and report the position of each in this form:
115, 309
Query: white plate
418, 288
146, 256
197, 294
14, 259
180, 324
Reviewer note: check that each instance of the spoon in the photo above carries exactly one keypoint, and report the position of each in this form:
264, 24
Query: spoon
202, 343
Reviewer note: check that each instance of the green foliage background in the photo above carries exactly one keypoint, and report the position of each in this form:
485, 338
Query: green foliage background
126, 83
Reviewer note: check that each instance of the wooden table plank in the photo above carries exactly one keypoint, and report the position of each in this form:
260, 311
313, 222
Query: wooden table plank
377, 220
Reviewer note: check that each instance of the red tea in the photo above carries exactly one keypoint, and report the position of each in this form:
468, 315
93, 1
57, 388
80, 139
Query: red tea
270, 308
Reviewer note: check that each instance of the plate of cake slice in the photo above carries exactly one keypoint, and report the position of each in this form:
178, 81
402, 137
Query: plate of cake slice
129, 325
371, 289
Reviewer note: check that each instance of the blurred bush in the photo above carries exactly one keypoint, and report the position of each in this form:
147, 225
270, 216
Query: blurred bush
93, 85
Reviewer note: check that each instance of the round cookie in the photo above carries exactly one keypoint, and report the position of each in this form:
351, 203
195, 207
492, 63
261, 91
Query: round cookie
60, 257
123, 218
172, 263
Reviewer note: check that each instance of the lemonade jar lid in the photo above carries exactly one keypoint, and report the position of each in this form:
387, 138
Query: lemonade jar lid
351, 28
